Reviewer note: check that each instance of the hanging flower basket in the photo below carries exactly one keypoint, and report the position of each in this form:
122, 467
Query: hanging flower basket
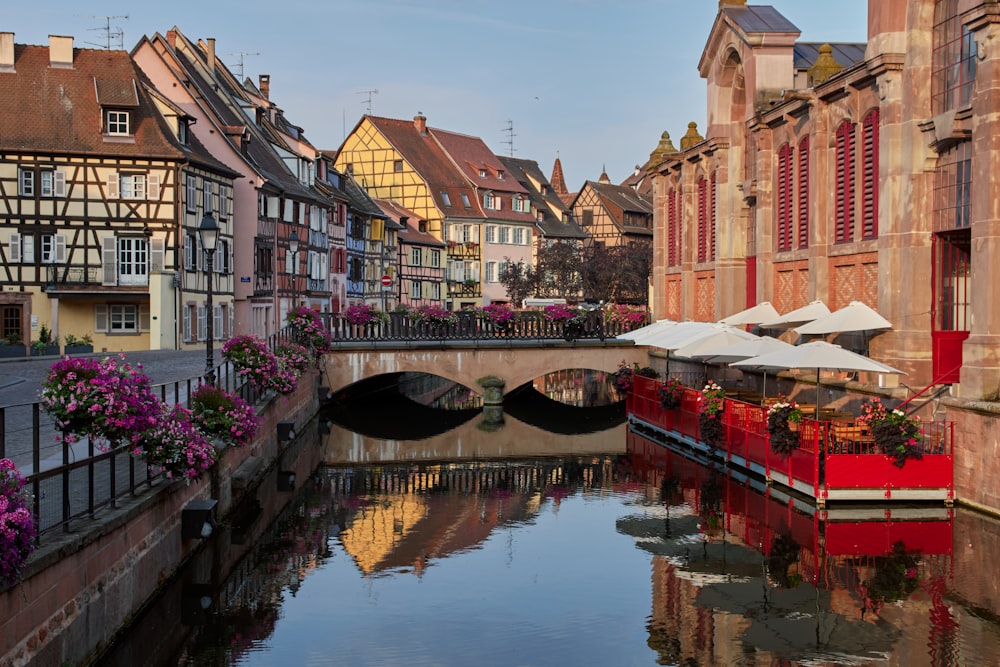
671, 393
17, 525
783, 419
710, 409
895, 434
222, 415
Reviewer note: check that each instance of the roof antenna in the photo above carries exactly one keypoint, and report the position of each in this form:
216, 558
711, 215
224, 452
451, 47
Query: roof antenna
110, 34
241, 54
509, 131
369, 93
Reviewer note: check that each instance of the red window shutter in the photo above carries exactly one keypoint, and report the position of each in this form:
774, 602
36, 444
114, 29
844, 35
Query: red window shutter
784, 203
803, 175
869, 178
671, 230
844, 231
711, 235
702, 219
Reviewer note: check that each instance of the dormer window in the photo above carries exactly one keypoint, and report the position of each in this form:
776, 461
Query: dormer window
465, 201
182, 131
491, 201
482, 173
117, 123
521, 204
446, 199
500, 174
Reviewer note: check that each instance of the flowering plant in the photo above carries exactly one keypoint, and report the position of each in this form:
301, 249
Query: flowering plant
17, 525
711, 404
308, 329
219, 414
671, 392
362, 313
780, 415
563, 313
175, 446
252, 359
432, 314
629, 317
895, 434
99, 398
498, 313
293, 356
283, 380
622, 378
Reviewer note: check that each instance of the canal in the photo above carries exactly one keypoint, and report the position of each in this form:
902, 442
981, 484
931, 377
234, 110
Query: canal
560, 538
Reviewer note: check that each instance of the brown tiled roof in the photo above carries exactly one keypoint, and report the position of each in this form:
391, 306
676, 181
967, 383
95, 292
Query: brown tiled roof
49, 109
527, 172
558, 180
410, 233
426, 156
618, 200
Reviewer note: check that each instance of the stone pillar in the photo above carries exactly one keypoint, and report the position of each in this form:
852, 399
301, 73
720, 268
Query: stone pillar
492, 402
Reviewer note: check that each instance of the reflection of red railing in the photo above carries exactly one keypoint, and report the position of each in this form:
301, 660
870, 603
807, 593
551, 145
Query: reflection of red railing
850, 468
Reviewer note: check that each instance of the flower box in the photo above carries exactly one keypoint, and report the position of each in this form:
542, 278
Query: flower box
12, 351
78, 348
47, 351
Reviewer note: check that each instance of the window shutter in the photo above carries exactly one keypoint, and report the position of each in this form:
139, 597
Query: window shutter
217, 322
156, 254
702, 218
153, 187
803, 176
113, 185
28, 249
711, 218
784, 202
202, 323
60, 248
186, 320
869, 178
109, 256
199, 255
58, 184
101, 317
14, 247
143, 317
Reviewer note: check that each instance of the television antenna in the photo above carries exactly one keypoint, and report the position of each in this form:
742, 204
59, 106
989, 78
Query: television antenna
242, 55
117, 33
509, 131
369, 93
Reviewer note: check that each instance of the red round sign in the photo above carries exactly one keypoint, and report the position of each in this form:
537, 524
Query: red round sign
386, 280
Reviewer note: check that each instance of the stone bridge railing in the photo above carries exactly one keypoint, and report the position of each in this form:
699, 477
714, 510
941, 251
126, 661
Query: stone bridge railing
473, 326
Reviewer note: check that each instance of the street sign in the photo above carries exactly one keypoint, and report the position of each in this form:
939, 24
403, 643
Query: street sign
386, 281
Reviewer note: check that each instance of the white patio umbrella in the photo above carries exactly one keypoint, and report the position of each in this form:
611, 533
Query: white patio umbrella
819, 355
745, 350
807, 313
673, 337
762, 312
856, 316
709, 340
642, 332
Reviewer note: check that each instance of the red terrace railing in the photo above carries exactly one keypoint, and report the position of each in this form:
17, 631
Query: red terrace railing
850, 468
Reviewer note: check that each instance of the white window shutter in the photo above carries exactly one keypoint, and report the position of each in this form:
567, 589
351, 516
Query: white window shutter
60, 248
202, 323
153, 187
109, 257
217, 322
143, 317
199, 255
186, 319
14, 247
59, 184
476, 271
101, 317
28, 249
113, 185
156, 253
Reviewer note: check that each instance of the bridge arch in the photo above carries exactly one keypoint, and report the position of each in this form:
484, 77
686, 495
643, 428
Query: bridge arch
468, 364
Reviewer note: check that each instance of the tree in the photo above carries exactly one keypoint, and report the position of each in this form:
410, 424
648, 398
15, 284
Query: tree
519, 280
558, 270
617, 273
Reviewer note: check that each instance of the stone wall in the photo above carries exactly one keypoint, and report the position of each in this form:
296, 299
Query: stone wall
82, 586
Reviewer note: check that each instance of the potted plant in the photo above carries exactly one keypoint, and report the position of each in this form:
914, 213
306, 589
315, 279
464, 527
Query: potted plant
711, 405
11, 348
498, 314
571, 319
81, 345
783, 418
17, 537
363, 314
671, 393
308, 329
434, 318
251, 358
46, 345
223, 416
895, 434
175, 447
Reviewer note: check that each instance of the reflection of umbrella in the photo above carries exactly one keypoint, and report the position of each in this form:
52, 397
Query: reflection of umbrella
762, 312
712, 339
819, 355
642, 332
807, 313
745, 350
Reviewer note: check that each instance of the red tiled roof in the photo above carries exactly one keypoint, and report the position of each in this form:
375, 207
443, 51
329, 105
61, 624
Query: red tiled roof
49, 109
411, 231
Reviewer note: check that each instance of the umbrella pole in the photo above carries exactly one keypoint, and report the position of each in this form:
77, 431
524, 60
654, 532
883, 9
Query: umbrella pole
763, 389
817, 394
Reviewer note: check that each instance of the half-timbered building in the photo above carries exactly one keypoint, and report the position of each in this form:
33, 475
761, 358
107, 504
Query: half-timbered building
100, 178
420, 277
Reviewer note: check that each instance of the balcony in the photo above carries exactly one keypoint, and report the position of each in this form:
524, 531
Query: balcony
467, 250
464, 289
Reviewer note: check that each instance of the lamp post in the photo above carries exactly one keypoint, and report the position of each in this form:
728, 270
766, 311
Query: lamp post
209, 233
293, 247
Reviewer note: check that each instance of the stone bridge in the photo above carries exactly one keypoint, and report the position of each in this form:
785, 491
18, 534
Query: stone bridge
486, 367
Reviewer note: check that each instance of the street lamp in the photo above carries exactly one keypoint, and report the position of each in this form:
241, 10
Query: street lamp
293, 247
209, 233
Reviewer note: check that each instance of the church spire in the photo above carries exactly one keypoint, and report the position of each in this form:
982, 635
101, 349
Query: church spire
557, 180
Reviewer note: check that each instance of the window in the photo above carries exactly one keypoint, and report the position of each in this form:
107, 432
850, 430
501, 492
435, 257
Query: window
588, 218
869, 175
673, 230
191, 194
446, 199
206, 197
133, 186
491, 272
465, 201
521, 204
436, 259
191, 246
128, 260
803, 176
223, 202
491, 233
482, 173
397, 166
53, 248
491, 201
952, 188
416, 257
53, 183
499, 174
467, 234
123, 318
118, 123
844, 181
505, 235
26, 182
783, 232
415, 291
953, 59
519, 235
702, 219
436, 291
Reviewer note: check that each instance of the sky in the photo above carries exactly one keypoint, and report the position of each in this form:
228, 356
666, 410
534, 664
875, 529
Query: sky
593, 82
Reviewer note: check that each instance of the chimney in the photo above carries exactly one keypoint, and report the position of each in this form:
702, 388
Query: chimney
60, 52
211, 54
420, 122
265, 86
6, 52
172, 38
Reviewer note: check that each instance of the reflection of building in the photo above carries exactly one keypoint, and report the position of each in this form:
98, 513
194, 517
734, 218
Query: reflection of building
582, 388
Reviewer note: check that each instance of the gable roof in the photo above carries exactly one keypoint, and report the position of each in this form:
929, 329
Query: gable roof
756, 19
846, 54
66, 115
409, 233
429, 160
622, 197
527, 172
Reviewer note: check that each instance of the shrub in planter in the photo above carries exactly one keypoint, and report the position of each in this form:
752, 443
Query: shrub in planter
710, 408
74, 345
308, 329
781, 418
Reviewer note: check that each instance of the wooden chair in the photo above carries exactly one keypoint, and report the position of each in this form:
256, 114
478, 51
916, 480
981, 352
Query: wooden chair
851, 439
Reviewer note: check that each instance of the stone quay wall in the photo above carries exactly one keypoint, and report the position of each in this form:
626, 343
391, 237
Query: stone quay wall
80, 588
